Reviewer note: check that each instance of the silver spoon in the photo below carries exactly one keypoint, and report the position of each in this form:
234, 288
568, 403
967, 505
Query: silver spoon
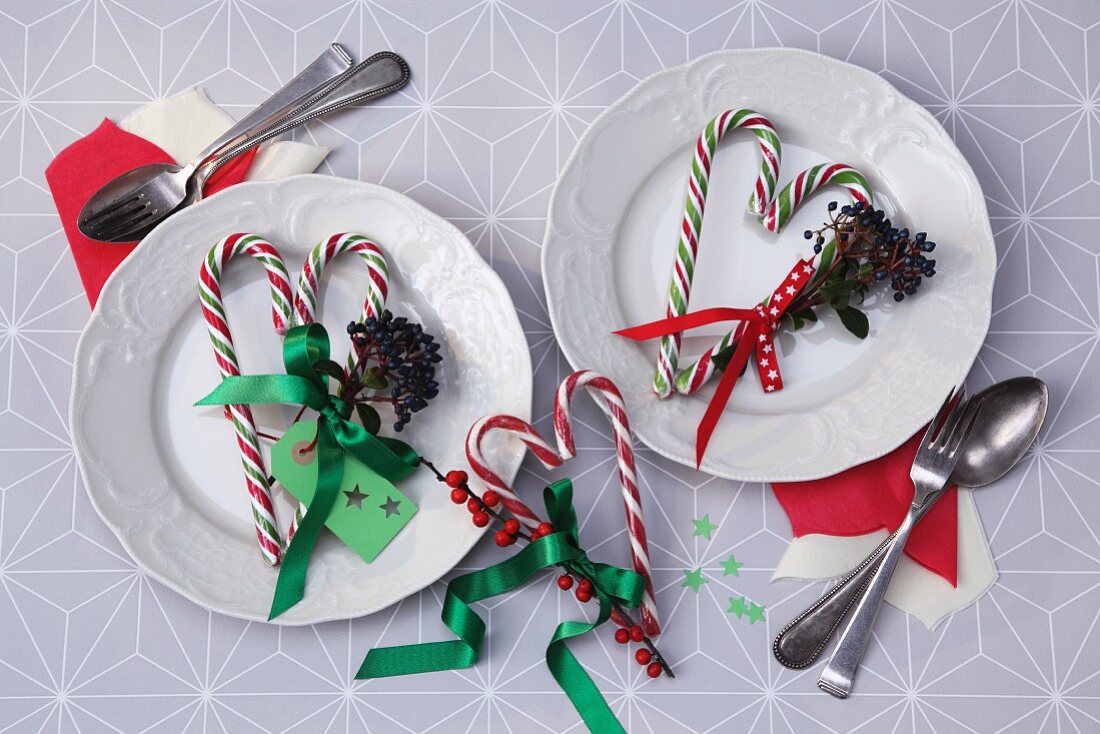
1012, 414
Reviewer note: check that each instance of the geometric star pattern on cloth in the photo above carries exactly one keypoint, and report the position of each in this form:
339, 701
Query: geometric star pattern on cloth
93, 644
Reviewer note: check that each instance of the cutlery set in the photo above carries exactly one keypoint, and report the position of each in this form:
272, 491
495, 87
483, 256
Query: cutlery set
128, 207
970, 443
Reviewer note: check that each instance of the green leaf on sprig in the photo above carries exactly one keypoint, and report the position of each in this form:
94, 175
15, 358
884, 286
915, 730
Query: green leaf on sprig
332, 369
854, 321
722, 359
374, 379
369, 417
801, 318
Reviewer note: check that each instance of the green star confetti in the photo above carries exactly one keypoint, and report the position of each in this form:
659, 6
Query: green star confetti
694, 579
737, 606
704, 527
730, 567
756, 613
741, 608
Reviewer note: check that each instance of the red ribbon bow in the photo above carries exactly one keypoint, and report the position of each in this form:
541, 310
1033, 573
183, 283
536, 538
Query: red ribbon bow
754, 336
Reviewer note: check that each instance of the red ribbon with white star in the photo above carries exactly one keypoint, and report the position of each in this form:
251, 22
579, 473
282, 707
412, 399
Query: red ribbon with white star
755, 338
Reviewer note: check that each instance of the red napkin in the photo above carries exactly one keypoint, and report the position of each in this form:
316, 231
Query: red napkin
80, 169
877, 495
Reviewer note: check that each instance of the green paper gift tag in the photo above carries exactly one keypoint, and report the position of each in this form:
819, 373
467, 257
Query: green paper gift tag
369, 511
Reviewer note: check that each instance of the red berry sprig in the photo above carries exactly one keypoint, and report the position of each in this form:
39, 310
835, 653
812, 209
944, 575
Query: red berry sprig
484, 509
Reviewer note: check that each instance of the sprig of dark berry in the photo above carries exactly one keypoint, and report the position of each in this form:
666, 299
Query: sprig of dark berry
395, 362
864, 249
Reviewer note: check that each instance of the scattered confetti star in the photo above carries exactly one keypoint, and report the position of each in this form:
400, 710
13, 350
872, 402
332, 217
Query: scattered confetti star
355, 498
694, 579
391, 506
730, 567
704, 527
756, 613
737, 606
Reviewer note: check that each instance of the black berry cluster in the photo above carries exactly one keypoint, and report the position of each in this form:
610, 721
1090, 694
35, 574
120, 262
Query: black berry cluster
865, 235
398, 357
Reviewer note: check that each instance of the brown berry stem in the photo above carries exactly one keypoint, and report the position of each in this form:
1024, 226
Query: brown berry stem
619, 609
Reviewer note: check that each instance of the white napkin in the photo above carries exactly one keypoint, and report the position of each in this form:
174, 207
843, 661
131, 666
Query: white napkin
185, 123
915, 589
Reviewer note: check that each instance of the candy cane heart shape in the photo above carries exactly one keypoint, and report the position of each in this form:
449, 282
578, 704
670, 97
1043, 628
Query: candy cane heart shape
803, 185
606, 393
213, 311
691, 225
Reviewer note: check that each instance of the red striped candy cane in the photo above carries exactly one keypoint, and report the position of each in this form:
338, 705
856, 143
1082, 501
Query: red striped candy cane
514, 428
213, 311
605, 392
306, 300
806, 183
691, 225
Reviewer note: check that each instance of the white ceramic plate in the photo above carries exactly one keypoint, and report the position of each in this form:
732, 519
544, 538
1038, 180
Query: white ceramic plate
612, 228
166, 477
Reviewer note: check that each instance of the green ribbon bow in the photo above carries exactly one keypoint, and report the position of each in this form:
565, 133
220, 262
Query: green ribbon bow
306, 357
560, 548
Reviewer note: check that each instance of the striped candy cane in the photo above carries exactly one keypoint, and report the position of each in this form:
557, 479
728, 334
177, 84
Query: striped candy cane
687, 248
306, 299
213, 311
514, 428
605, 392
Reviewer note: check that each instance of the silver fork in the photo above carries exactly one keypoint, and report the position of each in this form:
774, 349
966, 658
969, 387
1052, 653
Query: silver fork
932, 467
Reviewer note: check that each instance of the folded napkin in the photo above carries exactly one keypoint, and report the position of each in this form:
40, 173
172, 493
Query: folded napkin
874, 496
172, 129
916, 590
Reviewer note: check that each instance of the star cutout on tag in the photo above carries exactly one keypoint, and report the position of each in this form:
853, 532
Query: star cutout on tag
391, 506
704, 527
363, 530
693, 579
737, 606
731, 567
355, 498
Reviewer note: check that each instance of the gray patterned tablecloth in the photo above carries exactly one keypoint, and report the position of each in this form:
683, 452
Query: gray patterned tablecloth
501, 92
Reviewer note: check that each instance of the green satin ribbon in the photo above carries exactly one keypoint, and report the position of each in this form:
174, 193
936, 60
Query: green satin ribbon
306, 357
560, 548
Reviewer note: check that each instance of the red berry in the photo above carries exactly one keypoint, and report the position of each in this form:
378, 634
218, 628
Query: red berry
583, 596
458, 495
654, 670
545, 528
456, 478
481, 519
565, 582
503, 539
490, 498
637, 633
642, 656
511, 526
473, 505
585, 584
622, 636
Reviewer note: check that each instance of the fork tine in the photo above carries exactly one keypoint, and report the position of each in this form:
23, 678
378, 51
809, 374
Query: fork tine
963, 429
930, 432
114, 206
958, 407
125, 227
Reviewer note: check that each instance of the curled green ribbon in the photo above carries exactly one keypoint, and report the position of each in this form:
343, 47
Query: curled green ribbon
561, 548
306, 357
